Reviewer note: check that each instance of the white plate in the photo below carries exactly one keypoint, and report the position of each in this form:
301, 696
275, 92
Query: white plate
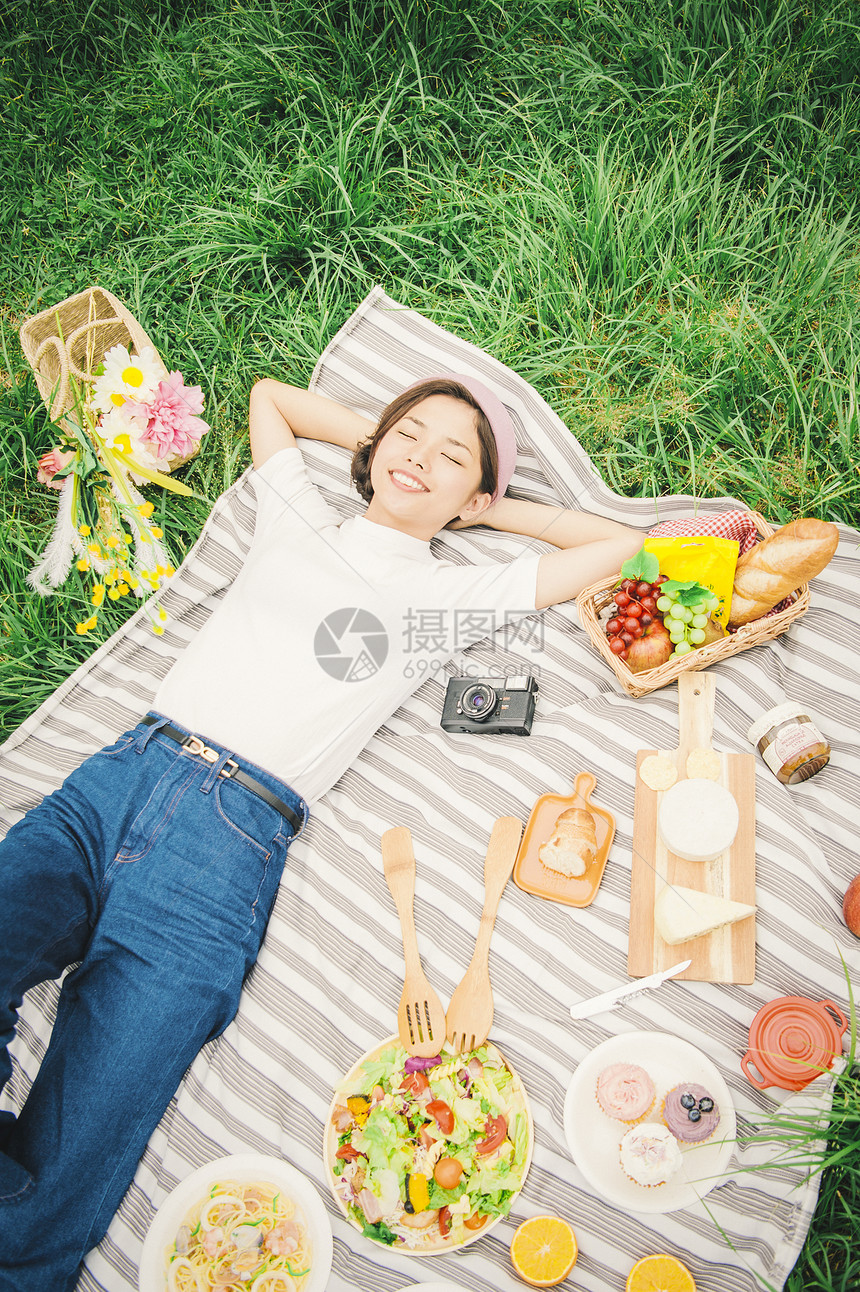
244, 1168
593, 1138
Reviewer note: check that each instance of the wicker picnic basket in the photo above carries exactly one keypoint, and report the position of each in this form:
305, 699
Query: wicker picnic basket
593, 599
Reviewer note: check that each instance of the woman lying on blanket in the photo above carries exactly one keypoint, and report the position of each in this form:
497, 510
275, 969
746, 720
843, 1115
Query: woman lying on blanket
155, 865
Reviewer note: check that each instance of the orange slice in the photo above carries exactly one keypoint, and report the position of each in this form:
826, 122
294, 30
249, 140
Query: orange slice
543, 1251
660, 1274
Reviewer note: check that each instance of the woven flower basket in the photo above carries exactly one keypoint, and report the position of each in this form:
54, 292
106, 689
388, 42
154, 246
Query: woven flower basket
594, 598
70, 340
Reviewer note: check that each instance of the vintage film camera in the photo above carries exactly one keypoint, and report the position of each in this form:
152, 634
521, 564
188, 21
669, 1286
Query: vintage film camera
490, 705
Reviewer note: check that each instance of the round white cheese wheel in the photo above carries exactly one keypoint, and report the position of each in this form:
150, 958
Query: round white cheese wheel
698, 819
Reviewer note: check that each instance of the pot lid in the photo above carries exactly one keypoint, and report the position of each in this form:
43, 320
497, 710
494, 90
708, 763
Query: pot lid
793, 1040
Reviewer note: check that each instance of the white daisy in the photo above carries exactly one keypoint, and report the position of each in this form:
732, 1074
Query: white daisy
127, 376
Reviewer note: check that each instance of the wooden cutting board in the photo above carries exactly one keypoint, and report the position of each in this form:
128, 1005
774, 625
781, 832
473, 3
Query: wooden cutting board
728, 954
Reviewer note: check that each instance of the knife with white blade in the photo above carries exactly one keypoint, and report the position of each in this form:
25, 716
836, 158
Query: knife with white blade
609, 999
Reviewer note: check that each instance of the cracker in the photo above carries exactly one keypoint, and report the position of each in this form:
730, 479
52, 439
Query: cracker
658, 772
705, 764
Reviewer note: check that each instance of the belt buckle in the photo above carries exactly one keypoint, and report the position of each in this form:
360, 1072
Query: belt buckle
229, 769
195, 745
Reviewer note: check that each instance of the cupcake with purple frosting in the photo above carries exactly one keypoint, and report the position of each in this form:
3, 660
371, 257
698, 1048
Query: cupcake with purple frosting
625, 1092
691, 1113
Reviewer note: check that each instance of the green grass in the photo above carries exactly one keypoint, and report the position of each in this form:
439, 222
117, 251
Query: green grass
648, 209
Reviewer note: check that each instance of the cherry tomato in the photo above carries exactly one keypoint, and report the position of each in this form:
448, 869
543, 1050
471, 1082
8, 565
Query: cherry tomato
425, 1137
476, 1221
444, 1221
447, 1173
347, 1153
444, 1117
495, 1131
416, 1083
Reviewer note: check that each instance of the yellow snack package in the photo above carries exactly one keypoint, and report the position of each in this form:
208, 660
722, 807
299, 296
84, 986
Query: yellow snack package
709, 561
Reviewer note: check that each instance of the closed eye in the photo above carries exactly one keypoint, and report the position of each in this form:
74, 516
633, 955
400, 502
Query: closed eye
406, 435
456, 461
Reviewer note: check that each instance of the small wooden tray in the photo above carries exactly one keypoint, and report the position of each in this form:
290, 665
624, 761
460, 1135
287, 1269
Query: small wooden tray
533, 876
727, 954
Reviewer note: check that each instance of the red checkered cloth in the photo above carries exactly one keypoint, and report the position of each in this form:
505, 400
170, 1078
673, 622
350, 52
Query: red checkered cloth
738, 525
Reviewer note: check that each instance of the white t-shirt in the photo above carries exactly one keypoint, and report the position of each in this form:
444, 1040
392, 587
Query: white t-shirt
329, 626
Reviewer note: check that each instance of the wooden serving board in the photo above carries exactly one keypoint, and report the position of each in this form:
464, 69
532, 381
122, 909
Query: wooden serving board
727, 954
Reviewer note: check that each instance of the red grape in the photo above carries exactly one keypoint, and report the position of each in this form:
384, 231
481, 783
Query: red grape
613, 627
627, 638
617, 646
631, 624
649, 604
643, 589
646, 621
621, 600
634, 610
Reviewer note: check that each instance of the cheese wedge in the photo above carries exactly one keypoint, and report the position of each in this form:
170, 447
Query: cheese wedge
684, 913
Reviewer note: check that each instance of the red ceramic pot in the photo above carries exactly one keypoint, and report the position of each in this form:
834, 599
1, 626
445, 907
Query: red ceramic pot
792, 1041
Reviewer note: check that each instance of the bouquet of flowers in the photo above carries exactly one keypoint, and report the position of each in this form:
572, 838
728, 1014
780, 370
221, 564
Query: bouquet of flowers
131, 424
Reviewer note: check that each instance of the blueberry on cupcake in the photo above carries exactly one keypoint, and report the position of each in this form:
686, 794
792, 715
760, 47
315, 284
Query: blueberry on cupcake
691, 1113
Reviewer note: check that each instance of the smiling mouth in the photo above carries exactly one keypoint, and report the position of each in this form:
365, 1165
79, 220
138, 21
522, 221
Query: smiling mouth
408, 482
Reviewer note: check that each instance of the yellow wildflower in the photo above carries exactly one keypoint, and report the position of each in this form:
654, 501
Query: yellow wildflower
158, 630
146, 509
162, 614
95, 549
169, 570
113, 541
128, 539
156, 532
83, 564
132, 581
113, 593
123, 589
98, 594
84, 531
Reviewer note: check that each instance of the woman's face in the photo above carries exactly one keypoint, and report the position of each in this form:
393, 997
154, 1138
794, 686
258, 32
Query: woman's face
427, 469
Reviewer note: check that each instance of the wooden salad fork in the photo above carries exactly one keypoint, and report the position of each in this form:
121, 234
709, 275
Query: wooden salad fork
470, 1012
420, 1017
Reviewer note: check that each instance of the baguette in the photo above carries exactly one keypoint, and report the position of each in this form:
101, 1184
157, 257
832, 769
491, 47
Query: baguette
777, 566
573, 846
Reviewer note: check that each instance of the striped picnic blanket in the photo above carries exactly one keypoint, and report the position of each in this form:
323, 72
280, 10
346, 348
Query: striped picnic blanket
328, 980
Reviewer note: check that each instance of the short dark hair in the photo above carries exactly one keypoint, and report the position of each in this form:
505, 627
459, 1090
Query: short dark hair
400, 406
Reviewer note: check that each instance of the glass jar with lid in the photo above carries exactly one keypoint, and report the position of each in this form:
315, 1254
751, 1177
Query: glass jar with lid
790, 743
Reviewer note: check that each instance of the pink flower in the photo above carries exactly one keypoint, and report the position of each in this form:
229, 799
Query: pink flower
171, 426
49, 464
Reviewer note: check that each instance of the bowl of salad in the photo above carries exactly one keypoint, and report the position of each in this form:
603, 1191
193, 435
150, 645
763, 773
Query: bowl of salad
427, 1155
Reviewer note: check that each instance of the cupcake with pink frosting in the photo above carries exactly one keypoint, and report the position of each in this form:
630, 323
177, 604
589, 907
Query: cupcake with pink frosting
625, 1092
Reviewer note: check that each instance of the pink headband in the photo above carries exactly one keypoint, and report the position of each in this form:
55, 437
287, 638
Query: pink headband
498, 417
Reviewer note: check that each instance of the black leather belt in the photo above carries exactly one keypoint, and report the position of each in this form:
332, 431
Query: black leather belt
231, 769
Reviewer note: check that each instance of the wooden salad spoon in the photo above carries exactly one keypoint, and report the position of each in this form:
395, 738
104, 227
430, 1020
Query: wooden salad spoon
470, 1012
420, 1017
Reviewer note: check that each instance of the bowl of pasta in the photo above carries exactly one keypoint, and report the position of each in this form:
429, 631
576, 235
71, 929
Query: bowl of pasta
241, 1222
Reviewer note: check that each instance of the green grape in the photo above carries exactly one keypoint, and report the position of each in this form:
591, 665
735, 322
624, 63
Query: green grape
683, 648
677, 634
664, 604
714, 604
677, 613
699, 621
686, 614
699, 608
697, 636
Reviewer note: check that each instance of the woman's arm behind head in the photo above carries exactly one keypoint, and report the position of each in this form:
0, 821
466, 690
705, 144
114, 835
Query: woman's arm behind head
279, 414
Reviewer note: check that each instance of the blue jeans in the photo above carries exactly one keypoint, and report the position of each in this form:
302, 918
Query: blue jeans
158, 875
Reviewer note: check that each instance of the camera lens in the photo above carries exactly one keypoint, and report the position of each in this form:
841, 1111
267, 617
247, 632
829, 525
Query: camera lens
478, 701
